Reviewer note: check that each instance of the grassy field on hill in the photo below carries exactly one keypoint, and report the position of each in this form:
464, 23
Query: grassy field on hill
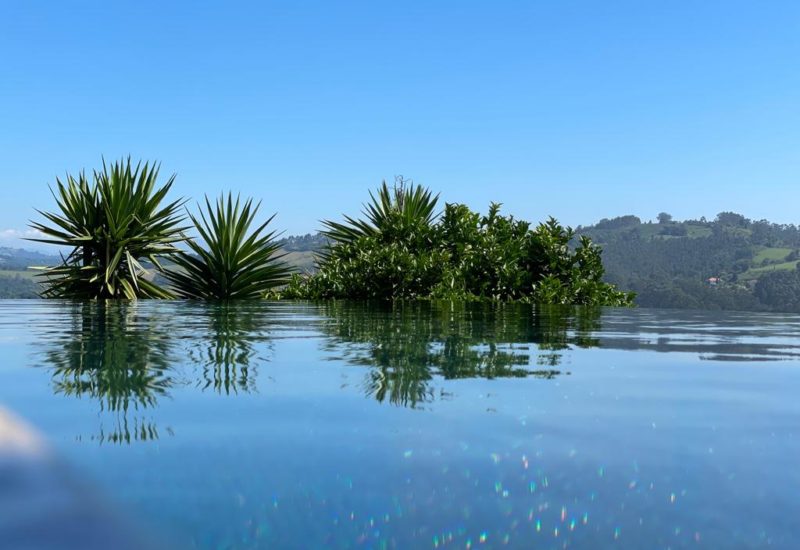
754, 273
303, 262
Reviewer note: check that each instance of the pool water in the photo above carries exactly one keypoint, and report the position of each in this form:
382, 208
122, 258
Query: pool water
418, 425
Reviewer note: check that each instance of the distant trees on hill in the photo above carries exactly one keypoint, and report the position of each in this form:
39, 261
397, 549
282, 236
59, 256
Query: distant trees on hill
310, 242
618, 223
16, 286
669, 264
779, 290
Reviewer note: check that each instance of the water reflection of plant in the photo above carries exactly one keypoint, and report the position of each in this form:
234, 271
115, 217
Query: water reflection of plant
228, 353
120, 358
407, 344
555, 328
124, 356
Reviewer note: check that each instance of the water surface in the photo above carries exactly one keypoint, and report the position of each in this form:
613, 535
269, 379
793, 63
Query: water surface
419, 425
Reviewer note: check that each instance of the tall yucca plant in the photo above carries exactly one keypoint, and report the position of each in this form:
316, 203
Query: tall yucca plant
234, 264
406, 203
111, 224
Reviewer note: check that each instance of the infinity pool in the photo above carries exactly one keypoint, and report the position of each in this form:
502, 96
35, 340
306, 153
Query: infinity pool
345, 425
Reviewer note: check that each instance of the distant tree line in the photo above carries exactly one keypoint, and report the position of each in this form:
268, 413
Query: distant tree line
18, 287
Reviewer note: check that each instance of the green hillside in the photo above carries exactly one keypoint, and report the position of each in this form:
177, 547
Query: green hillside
17, 284
302, 261
731, 262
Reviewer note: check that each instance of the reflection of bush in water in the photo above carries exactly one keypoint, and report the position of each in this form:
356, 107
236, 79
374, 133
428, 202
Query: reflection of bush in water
125, 432
409, 343
123, 358
118, 357
228, 352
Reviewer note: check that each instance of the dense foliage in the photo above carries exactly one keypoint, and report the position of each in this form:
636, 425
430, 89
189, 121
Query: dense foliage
111, 224
15, 286
780, 290
235, 263
403, 249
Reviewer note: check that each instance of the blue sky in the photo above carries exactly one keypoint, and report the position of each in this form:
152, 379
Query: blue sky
580, 110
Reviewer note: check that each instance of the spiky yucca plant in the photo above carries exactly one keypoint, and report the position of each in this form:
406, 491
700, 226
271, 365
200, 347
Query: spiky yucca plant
111, 224
404, 206
234, 264
391, 252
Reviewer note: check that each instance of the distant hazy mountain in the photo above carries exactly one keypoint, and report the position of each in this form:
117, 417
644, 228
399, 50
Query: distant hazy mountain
300, 250
311, 242
18, 259
16, 277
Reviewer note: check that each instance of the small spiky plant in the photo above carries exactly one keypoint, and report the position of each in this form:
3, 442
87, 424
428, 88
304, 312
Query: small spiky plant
234, 264
111, 223
406, 205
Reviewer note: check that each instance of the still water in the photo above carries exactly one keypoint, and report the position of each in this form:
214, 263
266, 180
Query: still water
344, 425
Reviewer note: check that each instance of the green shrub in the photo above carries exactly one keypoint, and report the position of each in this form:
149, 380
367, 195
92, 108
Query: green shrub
405, 250
392, 253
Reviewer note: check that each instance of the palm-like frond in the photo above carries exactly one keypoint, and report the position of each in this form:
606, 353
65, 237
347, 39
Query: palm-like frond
111, 224
234, 264
408, 204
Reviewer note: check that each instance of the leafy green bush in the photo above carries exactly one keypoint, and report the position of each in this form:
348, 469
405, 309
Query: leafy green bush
403, 249
391, 254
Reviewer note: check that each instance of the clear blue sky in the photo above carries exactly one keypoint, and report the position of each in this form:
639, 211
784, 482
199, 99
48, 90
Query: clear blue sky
580, 110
